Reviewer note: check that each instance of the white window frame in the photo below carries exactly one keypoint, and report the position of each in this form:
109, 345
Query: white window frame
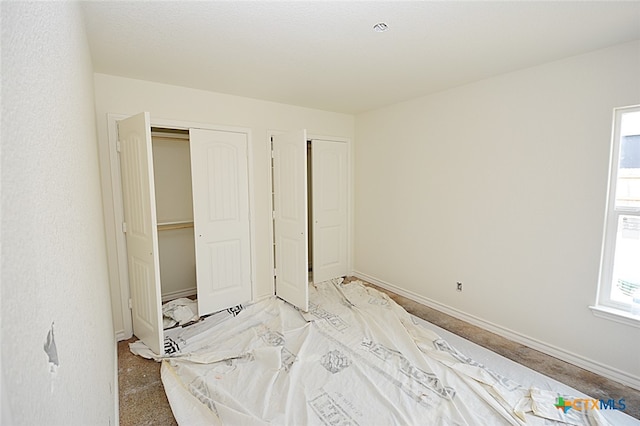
605, 306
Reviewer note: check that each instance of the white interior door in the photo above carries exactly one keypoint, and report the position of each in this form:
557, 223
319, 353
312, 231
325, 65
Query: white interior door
136, 165
330, 214
220, 185
290, 217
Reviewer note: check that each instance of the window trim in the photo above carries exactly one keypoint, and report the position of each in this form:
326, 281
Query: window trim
623, 317
605, 307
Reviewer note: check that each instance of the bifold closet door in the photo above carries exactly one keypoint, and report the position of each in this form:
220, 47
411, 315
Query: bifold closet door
220, 185
136, 168
290, 217
329, 180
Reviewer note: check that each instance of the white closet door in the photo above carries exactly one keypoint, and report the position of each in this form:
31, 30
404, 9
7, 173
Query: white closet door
329, 191
290, 218
220, 186
136, 164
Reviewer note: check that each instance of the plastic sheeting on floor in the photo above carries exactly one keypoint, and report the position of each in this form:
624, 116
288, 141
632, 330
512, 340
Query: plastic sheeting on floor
179, 311
356, 358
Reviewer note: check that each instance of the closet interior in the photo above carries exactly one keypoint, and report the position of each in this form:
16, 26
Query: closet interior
174, 212
310, 209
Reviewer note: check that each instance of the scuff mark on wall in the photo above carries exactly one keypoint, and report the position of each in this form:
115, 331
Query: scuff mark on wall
51, 350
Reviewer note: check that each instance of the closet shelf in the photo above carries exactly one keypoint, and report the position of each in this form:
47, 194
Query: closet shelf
166, 226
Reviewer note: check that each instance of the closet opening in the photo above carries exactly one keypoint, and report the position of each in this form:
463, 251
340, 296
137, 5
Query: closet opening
310, 209
174, 211
310, 213
186, 221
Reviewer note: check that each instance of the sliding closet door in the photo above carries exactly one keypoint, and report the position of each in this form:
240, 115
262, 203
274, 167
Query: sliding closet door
290, 217
220, 185
330, 214
136, 164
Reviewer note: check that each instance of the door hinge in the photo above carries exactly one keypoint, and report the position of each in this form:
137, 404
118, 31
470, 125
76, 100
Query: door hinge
272, 154
130, 304
275, 272
273, 214
124, 227
118, 146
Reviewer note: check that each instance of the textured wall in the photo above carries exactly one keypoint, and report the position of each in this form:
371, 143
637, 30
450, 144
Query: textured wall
54, 270
501, 184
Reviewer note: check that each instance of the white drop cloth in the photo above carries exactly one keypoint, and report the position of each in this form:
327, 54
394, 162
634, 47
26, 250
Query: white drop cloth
179, 311
355, 358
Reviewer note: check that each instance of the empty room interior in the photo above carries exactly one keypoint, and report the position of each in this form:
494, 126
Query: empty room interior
390, 212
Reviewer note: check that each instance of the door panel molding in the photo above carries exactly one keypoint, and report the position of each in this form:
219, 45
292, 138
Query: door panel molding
219, 170
114, 217
290, 224
139, 210
330, 227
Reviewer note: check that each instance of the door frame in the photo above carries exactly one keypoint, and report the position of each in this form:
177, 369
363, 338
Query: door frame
117, 244
350, 192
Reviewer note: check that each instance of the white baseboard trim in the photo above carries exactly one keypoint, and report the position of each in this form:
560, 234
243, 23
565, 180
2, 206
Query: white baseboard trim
121, 335
178, 294
564, 355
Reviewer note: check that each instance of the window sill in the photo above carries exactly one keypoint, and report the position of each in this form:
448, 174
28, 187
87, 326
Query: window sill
616, 315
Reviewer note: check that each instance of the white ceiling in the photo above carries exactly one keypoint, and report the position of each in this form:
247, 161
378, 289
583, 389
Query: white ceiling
325, 54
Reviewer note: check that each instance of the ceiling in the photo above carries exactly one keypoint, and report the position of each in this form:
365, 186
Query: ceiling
326, 55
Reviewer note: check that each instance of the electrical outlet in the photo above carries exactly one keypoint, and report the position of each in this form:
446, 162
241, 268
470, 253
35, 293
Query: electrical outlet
459, 286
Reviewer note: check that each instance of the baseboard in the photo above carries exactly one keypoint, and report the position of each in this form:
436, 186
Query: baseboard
178, 294
564, 355
120, 336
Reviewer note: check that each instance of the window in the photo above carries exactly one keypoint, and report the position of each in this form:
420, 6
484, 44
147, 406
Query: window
620, 268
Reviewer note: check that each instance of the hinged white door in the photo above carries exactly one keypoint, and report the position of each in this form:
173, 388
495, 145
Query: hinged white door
329, 180
136, 164
290, 217
220, 186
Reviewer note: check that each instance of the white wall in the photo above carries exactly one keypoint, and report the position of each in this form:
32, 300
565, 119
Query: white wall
501, 184
128, 96
54, 267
